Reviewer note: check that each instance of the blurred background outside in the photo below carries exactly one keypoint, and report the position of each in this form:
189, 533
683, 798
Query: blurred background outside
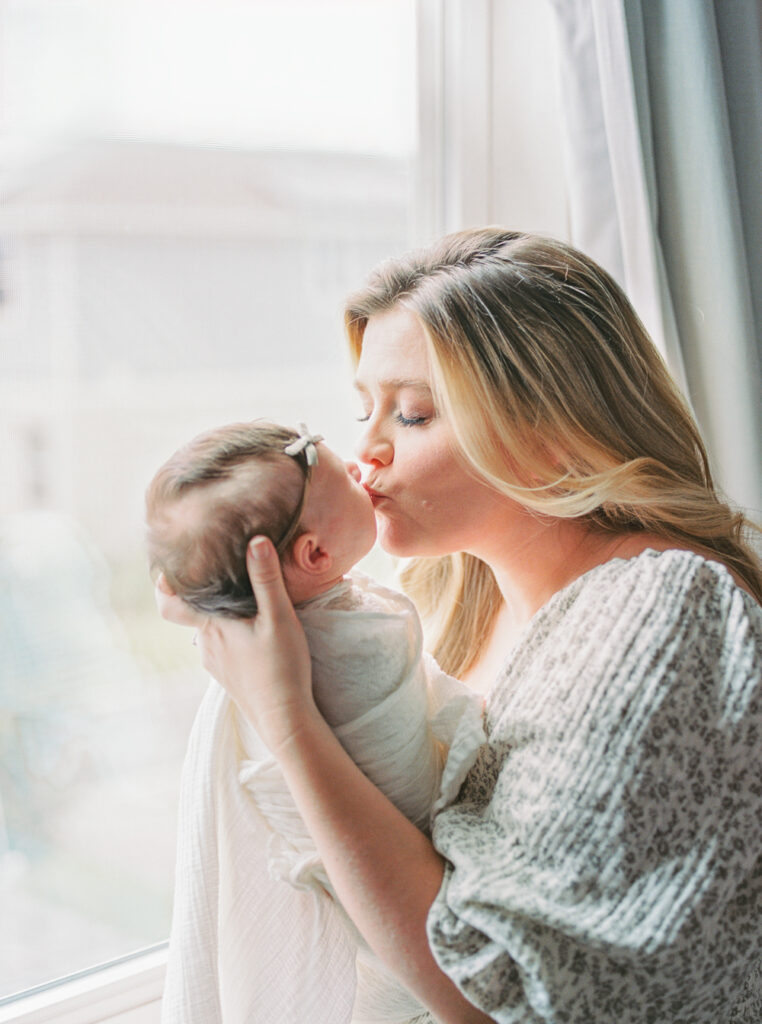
188, 192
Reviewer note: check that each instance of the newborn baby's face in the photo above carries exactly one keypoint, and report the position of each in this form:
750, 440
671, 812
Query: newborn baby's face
339, 509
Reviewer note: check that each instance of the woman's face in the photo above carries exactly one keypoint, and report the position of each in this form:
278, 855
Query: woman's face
426, 499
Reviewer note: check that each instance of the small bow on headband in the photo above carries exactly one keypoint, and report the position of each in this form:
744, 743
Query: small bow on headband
305, 442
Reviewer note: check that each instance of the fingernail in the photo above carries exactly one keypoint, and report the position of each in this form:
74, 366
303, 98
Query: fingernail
259, 549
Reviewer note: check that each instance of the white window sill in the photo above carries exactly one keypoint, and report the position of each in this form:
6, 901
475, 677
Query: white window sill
126, 991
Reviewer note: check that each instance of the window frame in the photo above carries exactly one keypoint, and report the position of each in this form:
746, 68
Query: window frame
455, 101
127, 990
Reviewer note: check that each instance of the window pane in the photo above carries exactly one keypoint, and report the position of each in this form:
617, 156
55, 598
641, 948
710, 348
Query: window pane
189, 190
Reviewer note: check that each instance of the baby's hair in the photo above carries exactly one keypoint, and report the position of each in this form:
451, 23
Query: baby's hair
210, 498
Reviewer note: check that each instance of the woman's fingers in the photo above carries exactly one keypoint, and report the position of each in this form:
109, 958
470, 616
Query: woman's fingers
173, 608
263, 663
267, 580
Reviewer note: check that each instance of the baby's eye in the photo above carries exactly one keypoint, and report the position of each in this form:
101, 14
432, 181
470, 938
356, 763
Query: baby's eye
363, 419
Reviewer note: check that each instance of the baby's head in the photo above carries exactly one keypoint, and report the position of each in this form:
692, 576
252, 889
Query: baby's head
236, 482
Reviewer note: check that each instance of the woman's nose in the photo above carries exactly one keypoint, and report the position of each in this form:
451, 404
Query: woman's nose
374, 448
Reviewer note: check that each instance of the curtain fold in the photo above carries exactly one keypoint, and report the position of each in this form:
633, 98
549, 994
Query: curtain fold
668, 94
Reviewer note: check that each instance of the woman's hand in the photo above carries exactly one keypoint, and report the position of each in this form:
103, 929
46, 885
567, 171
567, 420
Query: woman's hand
173, 608
263, 663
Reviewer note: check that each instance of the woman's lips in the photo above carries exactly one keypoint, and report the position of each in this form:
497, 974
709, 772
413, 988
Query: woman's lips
375, 496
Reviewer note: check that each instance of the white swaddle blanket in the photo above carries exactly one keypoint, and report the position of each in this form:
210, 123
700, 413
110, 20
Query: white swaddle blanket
257, 934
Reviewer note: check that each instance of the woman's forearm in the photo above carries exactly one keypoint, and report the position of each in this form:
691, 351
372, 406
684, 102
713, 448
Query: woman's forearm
384, 870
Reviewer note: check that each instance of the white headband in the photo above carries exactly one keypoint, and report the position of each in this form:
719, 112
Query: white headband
306, 442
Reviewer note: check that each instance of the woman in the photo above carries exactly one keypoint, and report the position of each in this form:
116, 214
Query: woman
526, 446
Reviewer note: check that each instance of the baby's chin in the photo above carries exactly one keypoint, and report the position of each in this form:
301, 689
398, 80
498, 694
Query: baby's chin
373, 537
365, 542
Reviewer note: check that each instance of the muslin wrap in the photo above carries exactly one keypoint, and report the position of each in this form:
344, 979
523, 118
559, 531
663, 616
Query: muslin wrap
258, 936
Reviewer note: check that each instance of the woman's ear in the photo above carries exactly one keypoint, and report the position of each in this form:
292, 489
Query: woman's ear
307, 555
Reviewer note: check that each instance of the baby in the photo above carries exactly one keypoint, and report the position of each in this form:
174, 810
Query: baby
215, 493
392, 709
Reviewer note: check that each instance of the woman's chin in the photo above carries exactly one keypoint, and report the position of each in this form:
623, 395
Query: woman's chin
392, 539
402, 543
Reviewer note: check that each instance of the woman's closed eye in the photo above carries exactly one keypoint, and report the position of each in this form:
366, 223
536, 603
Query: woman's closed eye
411, 421
402, 419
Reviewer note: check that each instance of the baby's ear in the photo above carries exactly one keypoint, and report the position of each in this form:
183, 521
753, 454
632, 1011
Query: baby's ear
307, 555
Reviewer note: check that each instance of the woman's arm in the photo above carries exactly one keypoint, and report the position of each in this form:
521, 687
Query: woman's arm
385, 872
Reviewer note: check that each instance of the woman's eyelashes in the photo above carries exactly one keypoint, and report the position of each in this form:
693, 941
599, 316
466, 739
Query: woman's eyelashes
411, 421
399, 417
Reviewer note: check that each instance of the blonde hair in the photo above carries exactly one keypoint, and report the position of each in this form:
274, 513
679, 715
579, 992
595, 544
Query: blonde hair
203, 552
537, 352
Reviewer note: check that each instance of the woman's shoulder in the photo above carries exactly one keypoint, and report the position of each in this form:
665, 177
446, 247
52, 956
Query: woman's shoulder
658, 586
671, 598
670, 614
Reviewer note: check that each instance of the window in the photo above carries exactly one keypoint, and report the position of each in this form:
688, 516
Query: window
190, 189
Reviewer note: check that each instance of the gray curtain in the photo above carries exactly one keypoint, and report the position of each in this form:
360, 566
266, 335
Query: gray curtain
698, 73
688, 75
